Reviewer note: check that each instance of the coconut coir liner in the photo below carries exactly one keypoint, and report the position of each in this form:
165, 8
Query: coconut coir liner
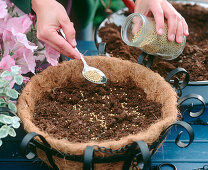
116, 70
194, 58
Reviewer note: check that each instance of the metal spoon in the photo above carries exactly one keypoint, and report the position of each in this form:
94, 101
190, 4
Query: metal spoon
92, 74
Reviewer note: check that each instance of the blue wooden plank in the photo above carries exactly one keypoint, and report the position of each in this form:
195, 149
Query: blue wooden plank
200, 133
200, 90
38, 165
182, 166
195, 152
87, 48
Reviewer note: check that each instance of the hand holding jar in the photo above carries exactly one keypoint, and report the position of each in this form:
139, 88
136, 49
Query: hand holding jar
156, 35
162, 10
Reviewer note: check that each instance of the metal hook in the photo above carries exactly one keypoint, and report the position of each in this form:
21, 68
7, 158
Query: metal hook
193, 96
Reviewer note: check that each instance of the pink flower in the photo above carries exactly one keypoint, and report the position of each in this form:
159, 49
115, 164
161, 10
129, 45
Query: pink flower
9, 3
51, 55
30, 60
8, 41
26, 79
19, 24
7, 62
2, 25
25, 59
16, 10
3, 9
13, 41
17, 49
21, 40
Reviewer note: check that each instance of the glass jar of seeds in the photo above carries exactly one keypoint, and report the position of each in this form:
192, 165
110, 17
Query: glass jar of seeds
140, 31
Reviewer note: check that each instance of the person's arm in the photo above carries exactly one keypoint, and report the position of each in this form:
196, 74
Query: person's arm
51, 17
161, 10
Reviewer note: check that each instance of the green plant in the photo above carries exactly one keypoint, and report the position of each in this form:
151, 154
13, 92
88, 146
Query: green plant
8, 117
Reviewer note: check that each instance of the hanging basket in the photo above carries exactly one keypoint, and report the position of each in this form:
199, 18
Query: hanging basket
116, 70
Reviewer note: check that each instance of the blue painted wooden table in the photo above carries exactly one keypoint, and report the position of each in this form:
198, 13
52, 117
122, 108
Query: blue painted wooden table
194, 156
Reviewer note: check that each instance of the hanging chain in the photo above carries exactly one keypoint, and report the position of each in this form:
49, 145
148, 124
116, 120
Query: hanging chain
134, 164
111, 151
121, 150
198, 122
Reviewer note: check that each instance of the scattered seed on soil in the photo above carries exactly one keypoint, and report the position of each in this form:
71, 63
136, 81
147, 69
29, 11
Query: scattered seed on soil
109, 118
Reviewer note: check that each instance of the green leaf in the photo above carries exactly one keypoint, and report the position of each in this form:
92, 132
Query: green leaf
11, 53
2, 103
1, 91
12, 132
2, 83
12, 107
10, 9
1, 118
6, 73
15, 119
12, 93
2, 100
1, 142
7, 89
15, 69
4, 131
18, 79
5, 113
7, 119
31, 36
16, 125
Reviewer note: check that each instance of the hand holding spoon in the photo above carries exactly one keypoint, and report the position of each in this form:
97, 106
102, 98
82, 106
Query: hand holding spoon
92, 74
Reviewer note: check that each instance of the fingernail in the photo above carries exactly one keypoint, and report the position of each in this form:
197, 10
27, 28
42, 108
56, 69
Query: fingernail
179, 39
160, 31
78, 56
74, 43
187, 32
172, 37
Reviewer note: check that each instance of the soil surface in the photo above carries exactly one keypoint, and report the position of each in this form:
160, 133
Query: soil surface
194, 57
86, 112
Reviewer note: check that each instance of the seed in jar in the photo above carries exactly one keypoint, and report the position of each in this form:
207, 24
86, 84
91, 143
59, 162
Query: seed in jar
93, 75
159, 45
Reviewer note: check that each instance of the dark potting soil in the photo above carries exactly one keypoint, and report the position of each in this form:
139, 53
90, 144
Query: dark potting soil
194, 57
85, 112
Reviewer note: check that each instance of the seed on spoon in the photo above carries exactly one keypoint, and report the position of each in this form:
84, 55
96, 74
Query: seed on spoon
93, 75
